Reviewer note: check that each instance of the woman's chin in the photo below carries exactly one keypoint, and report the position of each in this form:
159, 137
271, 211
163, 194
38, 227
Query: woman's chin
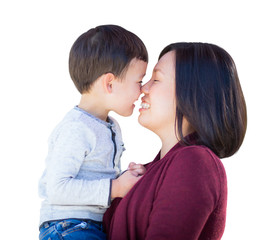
143, 120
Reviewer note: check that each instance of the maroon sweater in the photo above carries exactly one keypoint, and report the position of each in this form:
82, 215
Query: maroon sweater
181, 196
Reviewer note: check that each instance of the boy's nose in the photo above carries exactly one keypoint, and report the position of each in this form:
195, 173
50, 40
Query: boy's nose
144, 88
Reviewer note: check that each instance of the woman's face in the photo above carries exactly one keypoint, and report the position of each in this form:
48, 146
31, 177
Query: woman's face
158, 107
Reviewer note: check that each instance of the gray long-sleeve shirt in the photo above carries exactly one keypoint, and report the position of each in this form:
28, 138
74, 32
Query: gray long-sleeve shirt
84, 155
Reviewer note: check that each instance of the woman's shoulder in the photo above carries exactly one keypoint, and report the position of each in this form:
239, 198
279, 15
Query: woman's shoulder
197, 169
197, 158
195, 152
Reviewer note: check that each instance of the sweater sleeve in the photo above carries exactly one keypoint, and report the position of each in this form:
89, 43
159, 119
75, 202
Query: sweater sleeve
70, 147
187, 196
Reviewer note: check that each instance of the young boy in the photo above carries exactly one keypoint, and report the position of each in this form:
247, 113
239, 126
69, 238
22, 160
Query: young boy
106, 64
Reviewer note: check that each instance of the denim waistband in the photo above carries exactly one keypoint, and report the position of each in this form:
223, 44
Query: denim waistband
66, 221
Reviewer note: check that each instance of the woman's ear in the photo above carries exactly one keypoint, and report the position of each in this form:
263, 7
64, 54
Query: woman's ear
107, 82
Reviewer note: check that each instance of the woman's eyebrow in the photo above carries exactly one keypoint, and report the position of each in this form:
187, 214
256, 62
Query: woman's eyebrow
158, 70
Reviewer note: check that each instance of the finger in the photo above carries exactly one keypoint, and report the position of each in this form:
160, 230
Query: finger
139, 171
131, 164
140, 168
134, 173
137, 166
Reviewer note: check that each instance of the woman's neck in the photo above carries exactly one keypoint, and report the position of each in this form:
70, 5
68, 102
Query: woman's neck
167, 143
169, 137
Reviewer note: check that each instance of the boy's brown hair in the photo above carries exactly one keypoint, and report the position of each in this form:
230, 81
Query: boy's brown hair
103, 49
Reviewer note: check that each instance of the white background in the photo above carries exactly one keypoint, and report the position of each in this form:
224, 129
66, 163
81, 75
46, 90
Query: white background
36, 92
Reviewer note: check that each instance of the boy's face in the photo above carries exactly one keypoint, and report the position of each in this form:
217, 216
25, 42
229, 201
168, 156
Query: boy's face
128, 89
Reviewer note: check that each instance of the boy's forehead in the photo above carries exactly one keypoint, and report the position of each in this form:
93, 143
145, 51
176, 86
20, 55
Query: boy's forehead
137, 68
138, 65
135, 61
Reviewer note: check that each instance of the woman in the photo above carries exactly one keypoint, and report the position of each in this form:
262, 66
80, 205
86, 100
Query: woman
195, 104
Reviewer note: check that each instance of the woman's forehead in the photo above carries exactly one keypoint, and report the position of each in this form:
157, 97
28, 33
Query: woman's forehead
166, 64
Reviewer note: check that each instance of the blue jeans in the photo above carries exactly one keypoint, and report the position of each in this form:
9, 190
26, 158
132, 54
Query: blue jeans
72, 229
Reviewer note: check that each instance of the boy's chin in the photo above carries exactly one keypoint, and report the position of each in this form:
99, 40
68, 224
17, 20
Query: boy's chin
125, 114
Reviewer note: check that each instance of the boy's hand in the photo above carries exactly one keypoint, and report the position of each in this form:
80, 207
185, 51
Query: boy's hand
136, 169
122, 185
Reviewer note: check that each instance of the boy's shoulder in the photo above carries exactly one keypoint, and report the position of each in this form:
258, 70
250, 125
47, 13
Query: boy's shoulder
82, 123
72, 119
71, 122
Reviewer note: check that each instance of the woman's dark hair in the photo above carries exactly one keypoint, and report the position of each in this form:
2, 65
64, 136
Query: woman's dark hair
106, 48
209, 96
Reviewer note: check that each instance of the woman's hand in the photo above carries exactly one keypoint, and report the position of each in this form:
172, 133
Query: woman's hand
136, 169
